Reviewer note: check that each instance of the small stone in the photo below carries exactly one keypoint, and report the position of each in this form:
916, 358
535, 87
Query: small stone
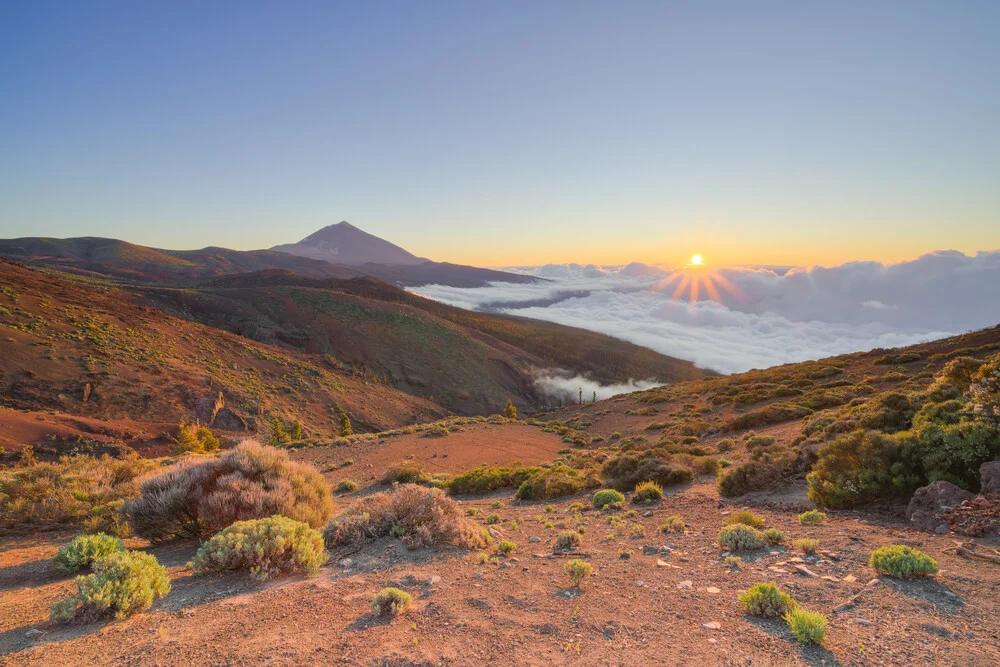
713, 590
647, 513
684, 585
714, 625
861, 621
514, 559
649, 549
504, 566
942, 530
713, 640
662, 563
534, 539
840, 608
872, 583
850, 578
34, 633
806, 572
432, 580
829, 578
345, 562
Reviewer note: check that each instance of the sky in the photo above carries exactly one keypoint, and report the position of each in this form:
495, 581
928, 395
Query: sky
503, 133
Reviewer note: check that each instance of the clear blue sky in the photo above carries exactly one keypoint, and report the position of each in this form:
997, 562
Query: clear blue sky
509, 132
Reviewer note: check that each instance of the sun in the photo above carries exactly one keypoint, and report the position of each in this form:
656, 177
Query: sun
697, 260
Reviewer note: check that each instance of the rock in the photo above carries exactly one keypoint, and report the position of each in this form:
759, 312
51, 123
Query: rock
495, 533
207, 407
873, 583
850, 579
927, 503
647, 513
806, 572
861, 621
662, 563
713, 590
840, 608
714, 625
685, 585
432, 580
649, 549
942, 530
989, 478
829, 578
34, 633
534, 539
345, 562
227, 420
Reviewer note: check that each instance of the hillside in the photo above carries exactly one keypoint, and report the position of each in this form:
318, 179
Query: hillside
471, 363
87, 349
343, 243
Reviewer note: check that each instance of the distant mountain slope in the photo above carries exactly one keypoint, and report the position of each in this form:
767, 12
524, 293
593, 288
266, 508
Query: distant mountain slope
343, 243
83, 348
470, 362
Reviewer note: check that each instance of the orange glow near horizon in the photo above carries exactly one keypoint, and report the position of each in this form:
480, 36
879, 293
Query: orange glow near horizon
691, 282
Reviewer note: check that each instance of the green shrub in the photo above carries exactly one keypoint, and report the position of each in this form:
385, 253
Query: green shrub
196, 498
739, 537
265, 547
672, 524
807, 545
510, 411
608, 498
809, 627
552, 482
647, 492
488, 478
577, 570
766, 600
493, 518
624, 471
902, 562
746, 517
122, 583
568, 539
405, 472
506, 546
769, 414
812, 518
347, 486
391, 602
773, 536
421, 516
865, 466
83, 550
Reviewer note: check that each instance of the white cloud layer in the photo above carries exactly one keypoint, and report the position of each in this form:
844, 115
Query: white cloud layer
767, 317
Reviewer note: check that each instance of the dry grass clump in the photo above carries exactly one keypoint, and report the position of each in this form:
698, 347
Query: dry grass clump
773, 536
391, 602
608, 498
84, 550
265, 547
123, 583
746, 517
347, 486
807, 545
672, 524
249, 482
420, 516
647, 492
76, 490
568, 539
554, 482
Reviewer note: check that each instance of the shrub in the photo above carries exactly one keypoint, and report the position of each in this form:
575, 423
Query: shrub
746, 517
493, 518
766, 600
763, 472
506, 546
249, 482
123, 583
862, 467
195, 439
902, 562
391, 602
770, 414
577, 570
624, 471
809, 627
345, 425
773, 536
608, 498
739, 537
83, 550
487, 478
733, 561
510, 411
807, 545
812, 518
552, 482
421, 516
78, 490
568, 539
672, 524
647, 492
405, 472
550, 508
265, 547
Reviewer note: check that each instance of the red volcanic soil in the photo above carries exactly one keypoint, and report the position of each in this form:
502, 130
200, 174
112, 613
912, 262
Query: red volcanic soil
18, 429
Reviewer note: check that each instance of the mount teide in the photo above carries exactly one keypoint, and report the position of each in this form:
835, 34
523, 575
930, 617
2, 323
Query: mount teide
343, 243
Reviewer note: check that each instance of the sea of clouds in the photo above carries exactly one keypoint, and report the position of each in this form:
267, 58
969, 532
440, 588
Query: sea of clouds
766, 316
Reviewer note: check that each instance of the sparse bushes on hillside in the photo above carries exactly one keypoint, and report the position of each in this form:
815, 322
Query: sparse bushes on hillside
862, 467
510, 411
345, 425
347, 486
84, 550
672, 524
773, 536
420, 516
766, 600
902, 562
767, 415
122, 583
807, 545
249, 482
264, 547
578, 570
568, 539
739, 537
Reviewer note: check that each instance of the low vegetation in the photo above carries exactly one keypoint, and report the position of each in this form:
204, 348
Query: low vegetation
347, 486
739, 537
578, 570
122, 583
264, 548
672, 524
766, 600
745, 517
568, 539
809, 627
391, 602
812, 518
902, 562
84, 550
647, 492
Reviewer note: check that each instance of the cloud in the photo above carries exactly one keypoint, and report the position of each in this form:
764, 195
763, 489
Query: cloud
768, 316
563, 385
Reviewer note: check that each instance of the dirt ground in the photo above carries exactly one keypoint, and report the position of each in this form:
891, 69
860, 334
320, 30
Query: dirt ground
521, 610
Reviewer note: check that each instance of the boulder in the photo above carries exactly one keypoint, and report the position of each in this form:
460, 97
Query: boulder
207, 407
989, 478
227, 420
928, 502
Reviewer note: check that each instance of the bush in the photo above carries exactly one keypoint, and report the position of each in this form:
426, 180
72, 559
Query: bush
406, 472
773, 536
249, 482
746, 517
739, 537
672, 524
624, 471
577, 570
487, 478
770, 414
766, 600
421, 516
647, 492
123, 583
391, 602
568, 539
506, 547
864, 466
902, 562
195, 439
265, 547
812, 518
79, 490
807, 545
510, 411
608, 498
493, 518
83, 550
552, 483
809, 627
347, 486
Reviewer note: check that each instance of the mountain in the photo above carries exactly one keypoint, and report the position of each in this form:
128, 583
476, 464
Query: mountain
343, 243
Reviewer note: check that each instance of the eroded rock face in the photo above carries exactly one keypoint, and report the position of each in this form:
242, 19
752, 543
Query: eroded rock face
227, 420
928, 502
989, 477
207, 407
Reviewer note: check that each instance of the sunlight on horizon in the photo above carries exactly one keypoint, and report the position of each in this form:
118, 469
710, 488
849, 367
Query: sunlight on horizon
690, 282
